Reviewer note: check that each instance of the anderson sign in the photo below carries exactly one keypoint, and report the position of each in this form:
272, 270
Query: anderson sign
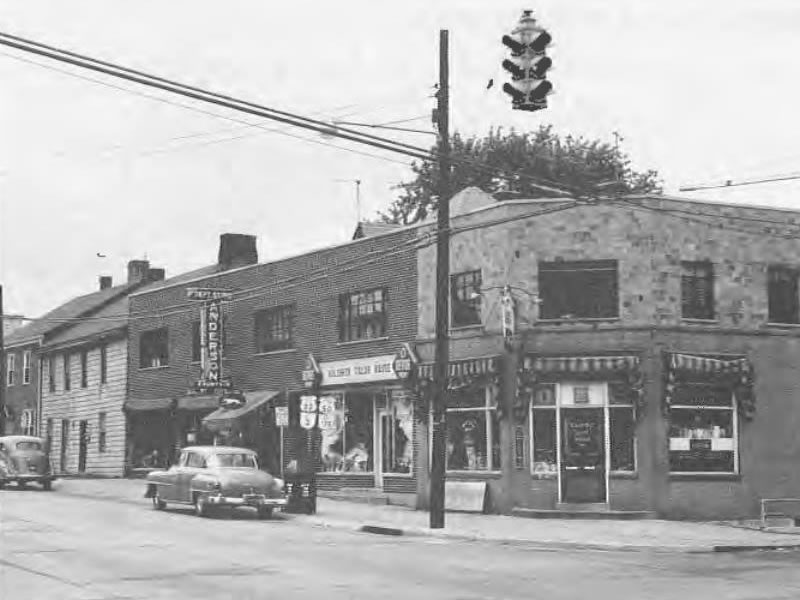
358, 370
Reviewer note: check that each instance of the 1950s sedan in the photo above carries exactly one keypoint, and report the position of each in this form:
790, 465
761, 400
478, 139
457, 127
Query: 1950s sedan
211, 477
24, 460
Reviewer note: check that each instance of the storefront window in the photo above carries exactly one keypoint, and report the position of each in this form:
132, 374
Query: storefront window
397, 431
346, 429
702, 430
473, 433
544, 430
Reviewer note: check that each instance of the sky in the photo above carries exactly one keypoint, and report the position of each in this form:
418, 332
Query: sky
701, 91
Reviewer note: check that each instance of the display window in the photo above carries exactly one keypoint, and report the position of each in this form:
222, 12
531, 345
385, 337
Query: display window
473, 432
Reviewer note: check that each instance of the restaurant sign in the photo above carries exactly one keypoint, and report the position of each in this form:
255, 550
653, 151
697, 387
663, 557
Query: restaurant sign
211, 377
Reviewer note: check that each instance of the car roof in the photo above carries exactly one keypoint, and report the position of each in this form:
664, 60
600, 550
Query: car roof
21, 438
217, 449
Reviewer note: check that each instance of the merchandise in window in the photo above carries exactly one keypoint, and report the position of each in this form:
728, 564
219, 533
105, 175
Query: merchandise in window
473, 433
346, 428
465, 297
702, 430
397, 432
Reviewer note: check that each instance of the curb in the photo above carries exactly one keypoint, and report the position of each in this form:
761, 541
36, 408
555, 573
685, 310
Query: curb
545, 545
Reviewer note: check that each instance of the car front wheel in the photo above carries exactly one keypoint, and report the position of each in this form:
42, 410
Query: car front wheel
158, 503
47, 485
264, 512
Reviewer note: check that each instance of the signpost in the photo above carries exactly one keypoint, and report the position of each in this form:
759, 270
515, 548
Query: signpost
281, 420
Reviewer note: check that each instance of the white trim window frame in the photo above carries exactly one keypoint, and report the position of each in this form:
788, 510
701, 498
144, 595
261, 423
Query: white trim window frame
10, 367
682, 443
491, 423
26, 367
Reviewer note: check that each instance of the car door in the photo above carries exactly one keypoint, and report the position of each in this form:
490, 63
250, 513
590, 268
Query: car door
169, 492
195, 463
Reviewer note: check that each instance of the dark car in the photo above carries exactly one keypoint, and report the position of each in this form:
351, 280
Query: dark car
209, 477
24, 460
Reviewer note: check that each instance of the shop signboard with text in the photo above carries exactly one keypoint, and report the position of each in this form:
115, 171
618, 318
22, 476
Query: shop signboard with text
211, 377
358, 370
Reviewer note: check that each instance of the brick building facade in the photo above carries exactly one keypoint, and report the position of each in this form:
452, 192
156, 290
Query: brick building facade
351, 307
655, 364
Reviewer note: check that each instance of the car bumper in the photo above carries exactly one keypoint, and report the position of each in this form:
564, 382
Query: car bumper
28, 477
248, 500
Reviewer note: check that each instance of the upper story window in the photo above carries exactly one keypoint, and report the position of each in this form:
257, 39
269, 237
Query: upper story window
697, 290
362, 315
10, 366
465, 299
67, 374
274, 329
84, 368
782, 290
51, 373
154, 348
26, 367
579, 290
103, 363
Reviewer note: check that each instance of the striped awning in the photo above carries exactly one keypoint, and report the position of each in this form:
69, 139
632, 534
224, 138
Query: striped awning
706, 364
581, 364
471, 367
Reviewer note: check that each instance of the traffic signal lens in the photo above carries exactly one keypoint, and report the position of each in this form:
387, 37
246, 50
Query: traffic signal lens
541, 90
541, 42
517, 48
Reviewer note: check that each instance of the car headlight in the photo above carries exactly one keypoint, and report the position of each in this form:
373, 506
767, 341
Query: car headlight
215, 486
278, 483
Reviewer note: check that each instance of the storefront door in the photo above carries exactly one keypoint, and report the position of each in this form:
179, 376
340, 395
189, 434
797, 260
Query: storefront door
583, 455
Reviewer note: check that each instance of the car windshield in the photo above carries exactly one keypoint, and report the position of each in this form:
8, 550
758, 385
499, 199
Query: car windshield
233, 460
29, 446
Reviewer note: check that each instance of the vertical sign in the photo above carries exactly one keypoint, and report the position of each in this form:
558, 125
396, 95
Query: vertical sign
211, 377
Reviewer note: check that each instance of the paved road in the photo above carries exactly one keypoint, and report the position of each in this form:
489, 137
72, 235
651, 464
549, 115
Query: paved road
67, 548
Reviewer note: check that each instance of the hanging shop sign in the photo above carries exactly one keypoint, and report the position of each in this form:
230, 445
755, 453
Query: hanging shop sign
211, 376
404, 362
312, 375
358, 370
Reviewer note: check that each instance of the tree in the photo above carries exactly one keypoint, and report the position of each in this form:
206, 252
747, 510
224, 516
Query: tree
528, 165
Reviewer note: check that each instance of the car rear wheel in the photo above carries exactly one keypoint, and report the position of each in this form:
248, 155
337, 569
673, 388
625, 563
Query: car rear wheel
22, 484
201, 506
264, 512
47, 485
158, 503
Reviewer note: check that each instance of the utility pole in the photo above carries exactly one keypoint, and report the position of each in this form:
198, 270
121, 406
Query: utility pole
441, 350
2, 369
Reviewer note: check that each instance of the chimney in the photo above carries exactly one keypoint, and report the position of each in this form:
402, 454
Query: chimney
105, 282
137, 270
236, 250
155, 274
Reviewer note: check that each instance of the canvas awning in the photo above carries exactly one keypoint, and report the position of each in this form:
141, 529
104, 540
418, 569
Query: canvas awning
581, 364
198, 402
147, 404
706, 364
224, 418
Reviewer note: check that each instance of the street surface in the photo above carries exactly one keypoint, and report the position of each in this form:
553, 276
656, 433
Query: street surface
68, 548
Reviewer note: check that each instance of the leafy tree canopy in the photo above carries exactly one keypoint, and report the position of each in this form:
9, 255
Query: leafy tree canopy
529, 165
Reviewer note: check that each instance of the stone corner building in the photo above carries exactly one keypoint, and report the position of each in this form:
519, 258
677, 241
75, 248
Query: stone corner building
655, 364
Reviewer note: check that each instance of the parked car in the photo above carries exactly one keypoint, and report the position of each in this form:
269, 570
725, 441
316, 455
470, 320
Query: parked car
211, 477
23, 460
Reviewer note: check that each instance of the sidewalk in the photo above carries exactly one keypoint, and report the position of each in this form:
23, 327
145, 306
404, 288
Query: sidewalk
651, 535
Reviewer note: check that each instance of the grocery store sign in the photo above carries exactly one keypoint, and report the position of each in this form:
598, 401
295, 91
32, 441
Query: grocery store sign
358, 370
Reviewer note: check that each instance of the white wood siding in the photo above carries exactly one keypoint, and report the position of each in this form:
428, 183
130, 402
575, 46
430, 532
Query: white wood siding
87, 403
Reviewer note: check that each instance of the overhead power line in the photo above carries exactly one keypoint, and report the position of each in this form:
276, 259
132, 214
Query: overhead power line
230, 102
732, 183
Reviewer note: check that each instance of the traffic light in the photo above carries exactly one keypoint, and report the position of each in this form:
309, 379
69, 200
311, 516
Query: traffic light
528, 65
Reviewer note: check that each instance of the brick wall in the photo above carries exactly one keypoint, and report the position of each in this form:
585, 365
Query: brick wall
87, 403
21, 396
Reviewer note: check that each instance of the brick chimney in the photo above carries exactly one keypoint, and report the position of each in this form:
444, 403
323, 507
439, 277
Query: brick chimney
105, 282
156, 274
236, 250
137, 270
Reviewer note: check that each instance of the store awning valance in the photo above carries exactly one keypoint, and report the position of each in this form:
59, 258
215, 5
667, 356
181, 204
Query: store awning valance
734, 371
147, 404
198, 402
225, 418
581, 364
706, 364
470, 367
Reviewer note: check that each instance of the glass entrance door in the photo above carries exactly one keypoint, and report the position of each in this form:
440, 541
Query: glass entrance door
394, 448
583, 455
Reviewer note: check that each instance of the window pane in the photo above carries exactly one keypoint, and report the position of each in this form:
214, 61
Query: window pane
358, 434
702, 394
578, 290
465, 289
466, 441
544, 395
701, 440
697, 290
468, 398
398, 431
332, 433
784, 302
362, 315
544, 441
623, 439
